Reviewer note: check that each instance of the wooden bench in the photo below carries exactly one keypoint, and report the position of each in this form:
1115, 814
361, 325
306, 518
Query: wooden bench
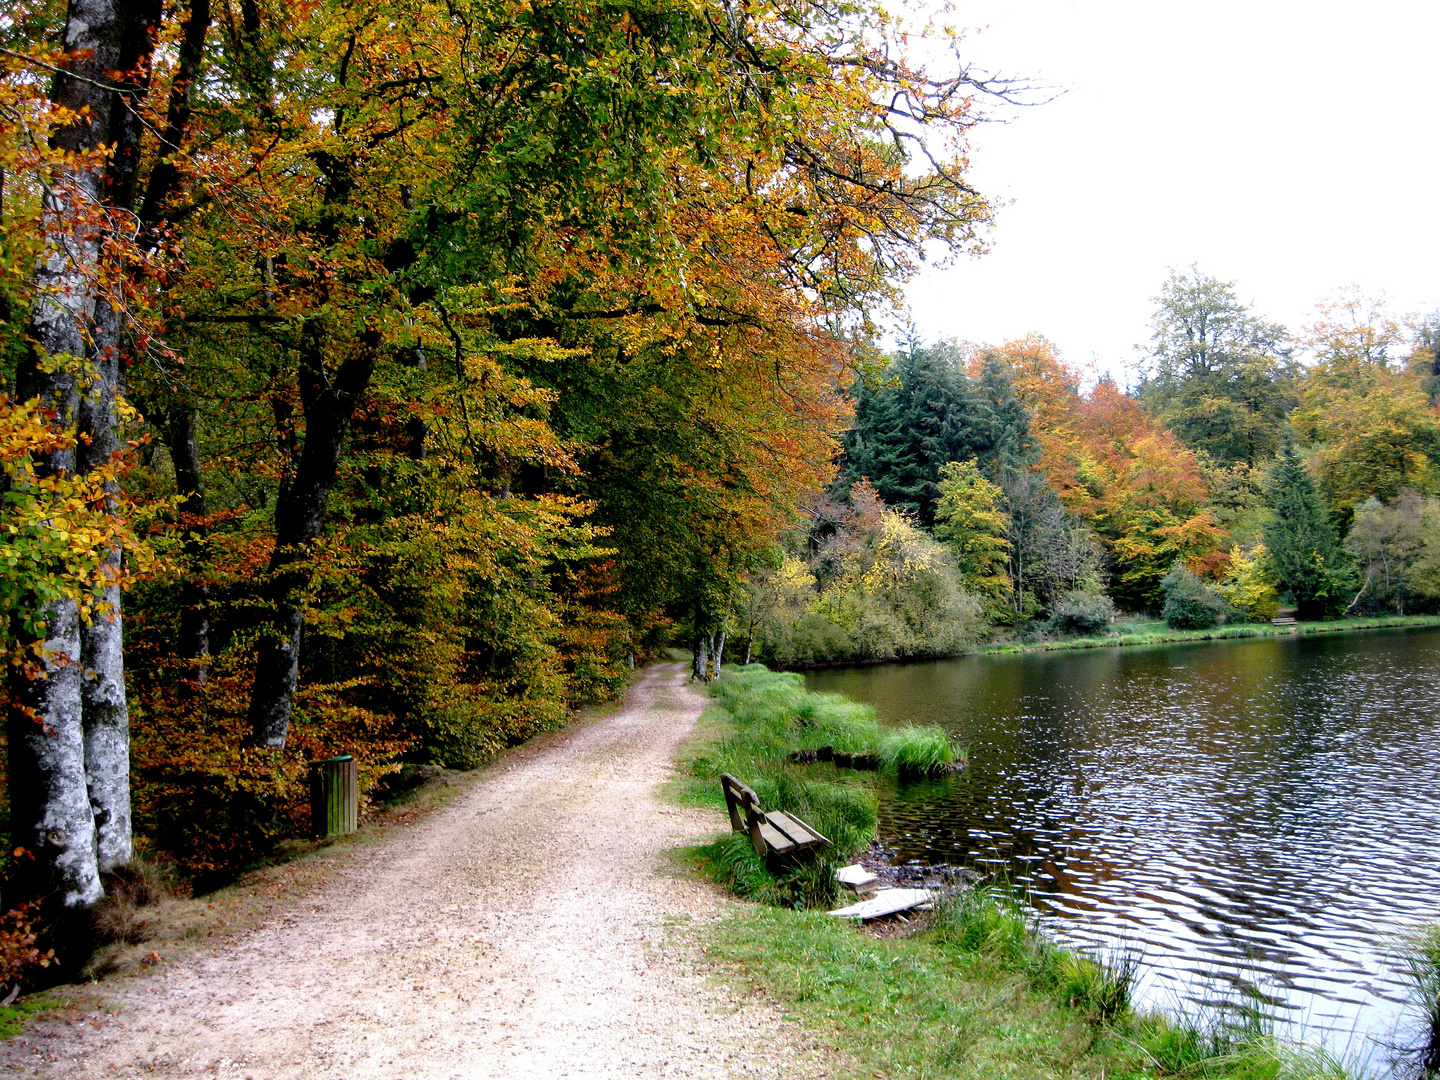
776, 833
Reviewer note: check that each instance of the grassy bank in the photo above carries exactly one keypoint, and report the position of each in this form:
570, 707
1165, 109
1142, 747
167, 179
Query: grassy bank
1155, 632
977, 990
761, 723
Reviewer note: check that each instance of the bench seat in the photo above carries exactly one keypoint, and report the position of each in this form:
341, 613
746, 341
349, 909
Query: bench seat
774, 833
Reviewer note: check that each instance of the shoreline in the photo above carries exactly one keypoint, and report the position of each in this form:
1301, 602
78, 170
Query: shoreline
1164, 636
970, 989
1160, 635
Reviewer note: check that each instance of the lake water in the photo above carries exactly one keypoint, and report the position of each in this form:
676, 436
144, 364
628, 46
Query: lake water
1261, 813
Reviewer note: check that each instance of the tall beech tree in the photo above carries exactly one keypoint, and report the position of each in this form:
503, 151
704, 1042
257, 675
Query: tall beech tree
69, 762
1369, 414
1218, 375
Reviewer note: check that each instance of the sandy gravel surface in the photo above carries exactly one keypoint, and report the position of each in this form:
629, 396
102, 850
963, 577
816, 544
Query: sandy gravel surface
528, 930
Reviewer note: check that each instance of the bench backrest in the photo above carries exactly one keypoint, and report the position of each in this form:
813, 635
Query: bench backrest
782, 834
742, 803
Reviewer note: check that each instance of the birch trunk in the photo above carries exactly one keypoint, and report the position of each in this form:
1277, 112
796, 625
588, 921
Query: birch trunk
701, 669
719, 652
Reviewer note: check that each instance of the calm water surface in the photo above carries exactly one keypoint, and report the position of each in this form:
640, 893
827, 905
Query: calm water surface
1261, 813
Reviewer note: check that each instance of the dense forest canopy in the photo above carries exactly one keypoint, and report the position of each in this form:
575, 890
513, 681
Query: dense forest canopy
385, 379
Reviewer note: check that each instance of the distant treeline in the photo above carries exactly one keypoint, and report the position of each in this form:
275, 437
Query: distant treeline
984, 488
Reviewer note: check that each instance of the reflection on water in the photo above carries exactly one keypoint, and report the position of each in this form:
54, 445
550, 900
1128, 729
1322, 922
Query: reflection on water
1257, 811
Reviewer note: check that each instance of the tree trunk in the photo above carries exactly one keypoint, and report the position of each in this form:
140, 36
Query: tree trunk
163, 186
71, 769
107, 729
194, 643
106, 715
50, 813
329, 401
165, 177
719, 652
102, 654
701, 667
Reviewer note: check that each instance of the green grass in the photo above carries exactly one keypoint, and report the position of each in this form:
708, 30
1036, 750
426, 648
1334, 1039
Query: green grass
773, 714
14, 1017
992, 929
918, 751
1421, 956
984, 994
1155, 632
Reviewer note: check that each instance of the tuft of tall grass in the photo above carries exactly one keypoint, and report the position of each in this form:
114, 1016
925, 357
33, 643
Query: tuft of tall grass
774, 715
1235, 1039
986, 920
1421, 956
918, 751
989, 923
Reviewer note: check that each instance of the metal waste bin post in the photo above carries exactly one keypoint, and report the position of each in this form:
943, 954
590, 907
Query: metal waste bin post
334, 797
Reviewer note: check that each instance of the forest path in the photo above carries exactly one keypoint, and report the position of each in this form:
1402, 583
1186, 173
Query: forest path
519, 932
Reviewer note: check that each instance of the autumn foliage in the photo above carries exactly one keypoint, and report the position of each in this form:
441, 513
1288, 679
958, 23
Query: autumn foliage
472, 352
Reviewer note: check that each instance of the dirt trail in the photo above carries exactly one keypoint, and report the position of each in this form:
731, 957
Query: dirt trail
518, 933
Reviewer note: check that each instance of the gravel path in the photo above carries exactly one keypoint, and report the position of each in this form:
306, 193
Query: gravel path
520, 932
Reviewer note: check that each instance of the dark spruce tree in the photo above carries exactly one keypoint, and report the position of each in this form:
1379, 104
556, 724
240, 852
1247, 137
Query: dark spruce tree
1304, 548
1003, 442
905, 431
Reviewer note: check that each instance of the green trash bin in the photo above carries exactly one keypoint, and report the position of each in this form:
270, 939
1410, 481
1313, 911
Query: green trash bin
334, 797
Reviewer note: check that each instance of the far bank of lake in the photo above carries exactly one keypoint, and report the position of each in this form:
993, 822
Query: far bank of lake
1155, 632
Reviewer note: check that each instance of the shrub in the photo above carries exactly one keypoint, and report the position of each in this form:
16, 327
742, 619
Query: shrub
20, 951
1191, 604
1080, 614
1249, 584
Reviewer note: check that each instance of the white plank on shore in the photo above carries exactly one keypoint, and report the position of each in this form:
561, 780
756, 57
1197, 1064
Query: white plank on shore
856, 877
885, 902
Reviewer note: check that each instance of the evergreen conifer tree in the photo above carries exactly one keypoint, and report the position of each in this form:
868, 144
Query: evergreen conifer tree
1004, 443
1304, 548
903, 433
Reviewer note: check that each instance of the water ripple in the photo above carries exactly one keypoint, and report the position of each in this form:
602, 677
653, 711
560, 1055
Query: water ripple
1261, 812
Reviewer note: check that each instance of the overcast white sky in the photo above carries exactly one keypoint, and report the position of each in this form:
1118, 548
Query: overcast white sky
1289, 147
